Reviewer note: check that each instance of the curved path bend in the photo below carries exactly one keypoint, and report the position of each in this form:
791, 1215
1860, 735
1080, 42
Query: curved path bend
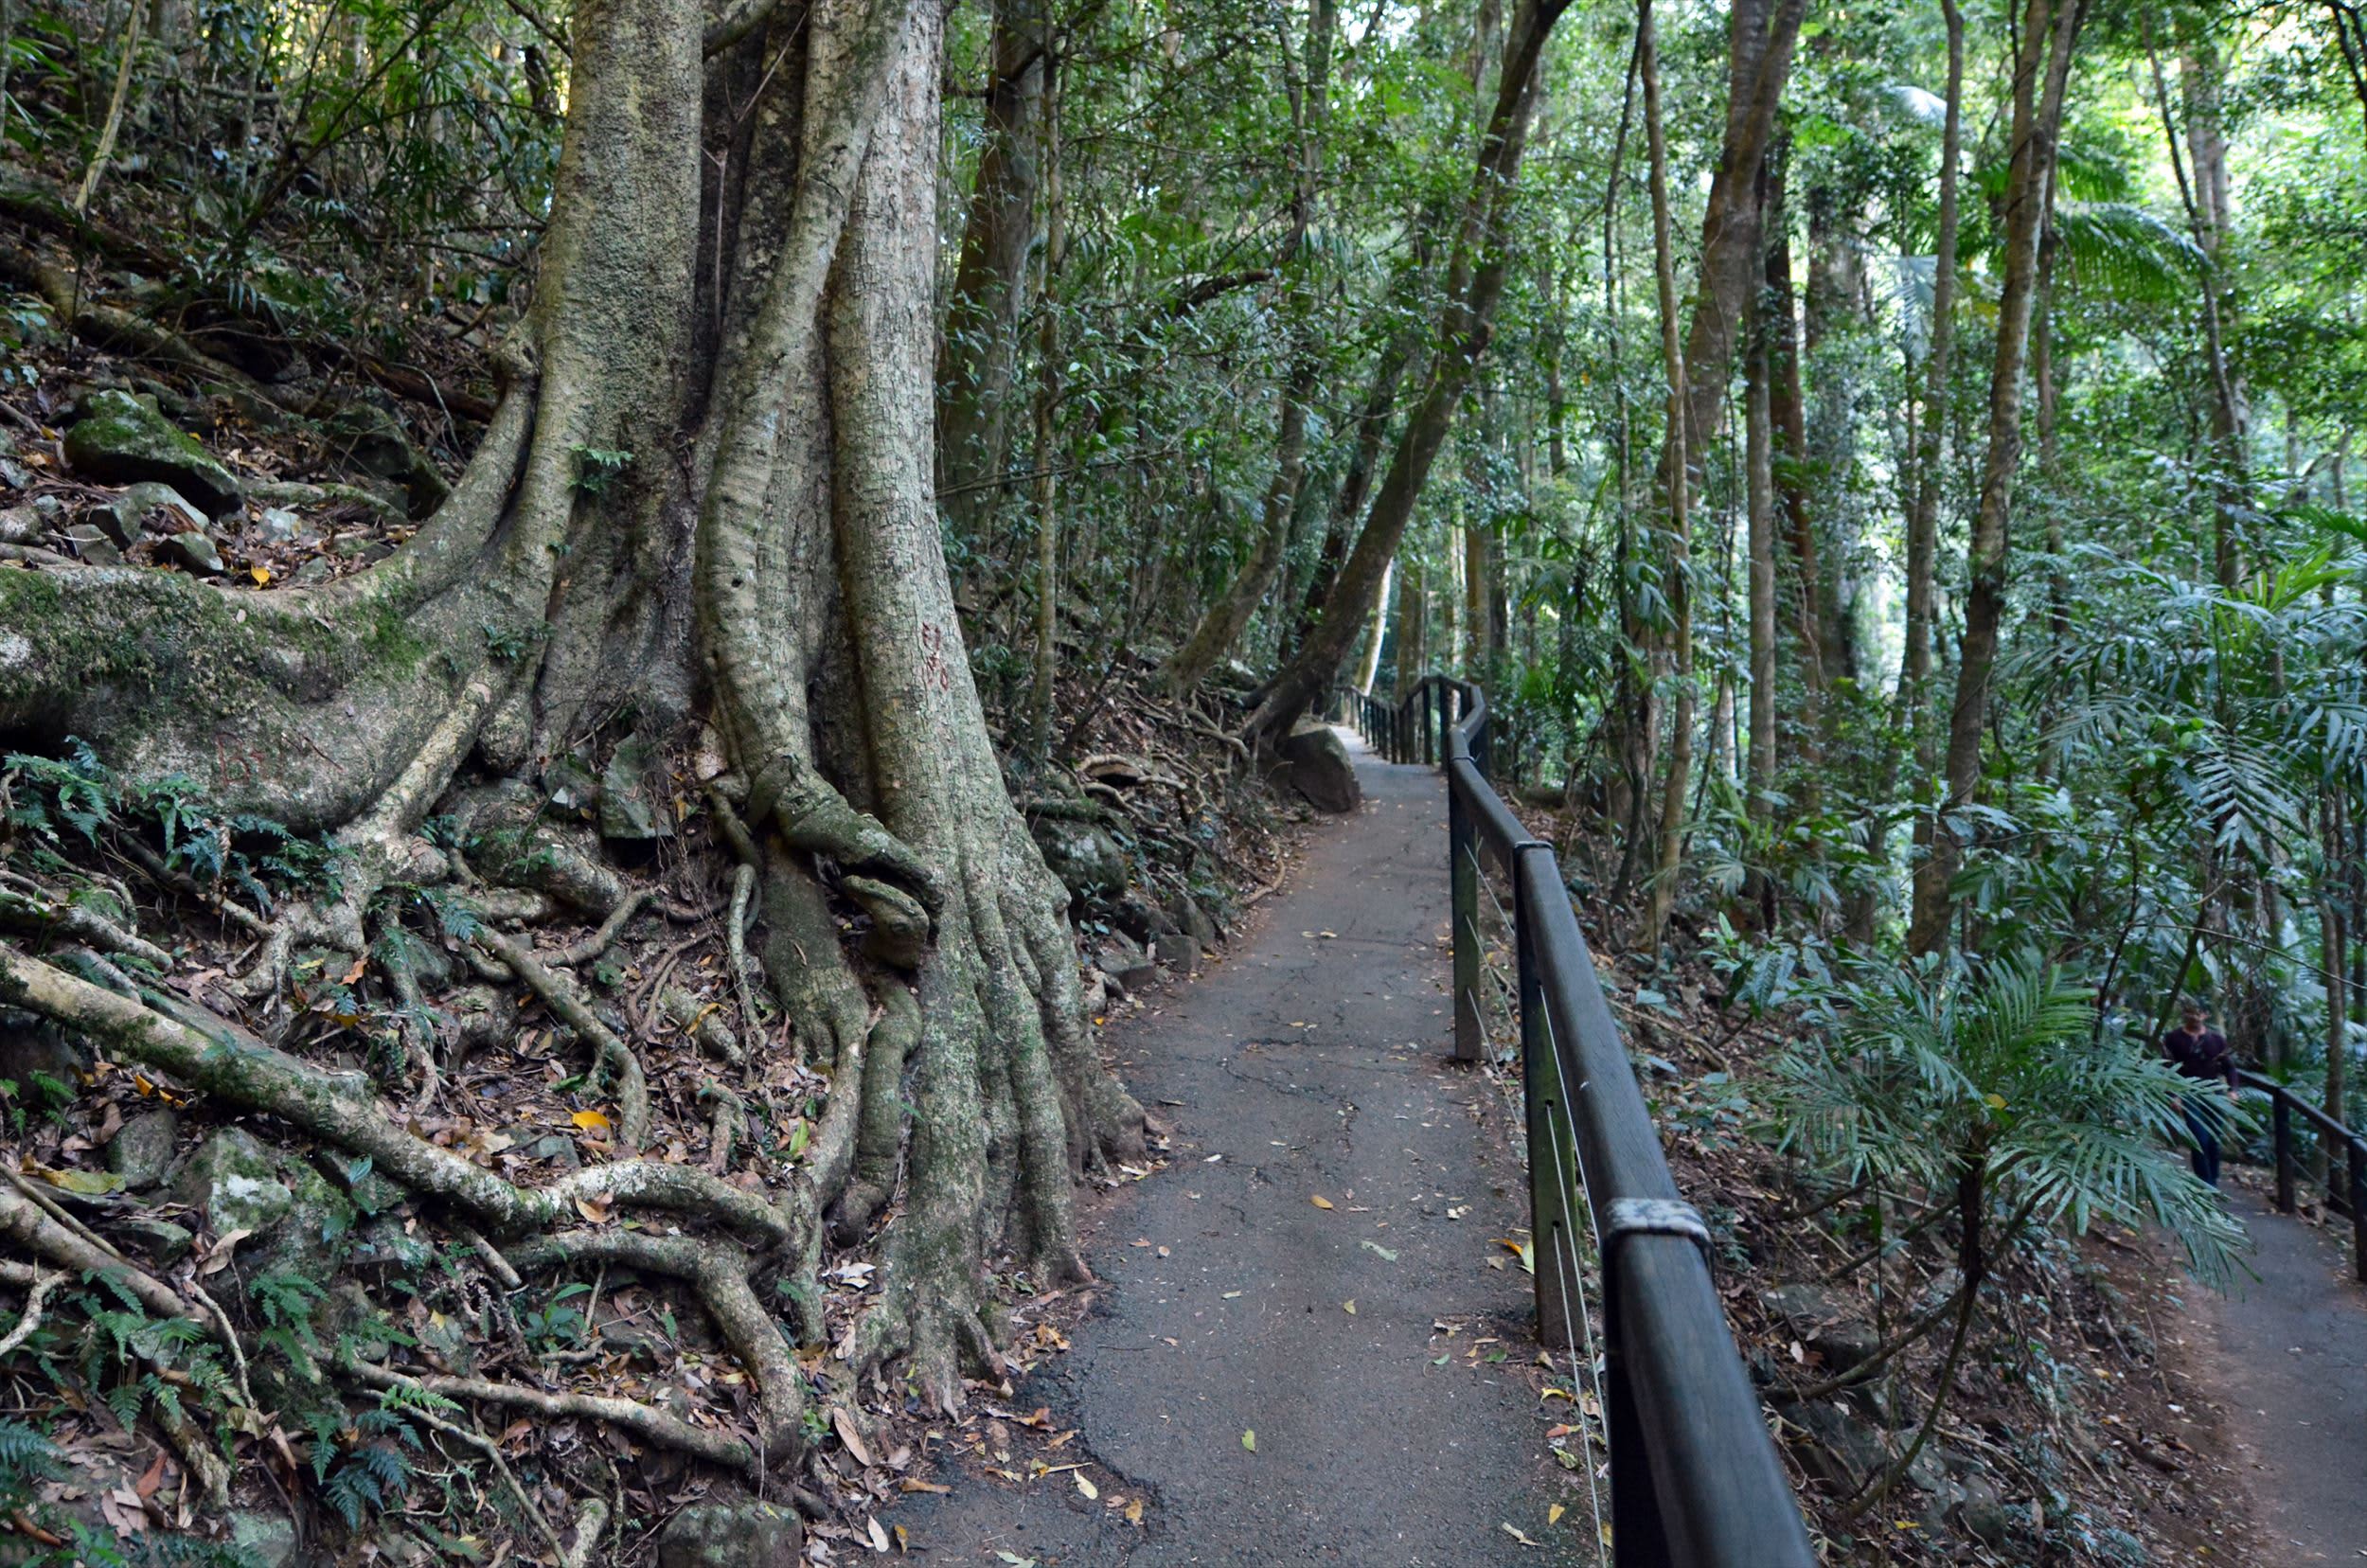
2284, 1357
1312, 1064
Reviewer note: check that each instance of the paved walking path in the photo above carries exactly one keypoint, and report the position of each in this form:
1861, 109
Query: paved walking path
1310, 1064
2287, 1358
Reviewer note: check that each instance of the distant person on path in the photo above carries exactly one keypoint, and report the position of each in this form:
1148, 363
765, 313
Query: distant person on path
2201, 1052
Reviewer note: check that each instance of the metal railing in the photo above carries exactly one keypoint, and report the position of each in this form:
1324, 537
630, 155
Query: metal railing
1695, 1479
2284, 1105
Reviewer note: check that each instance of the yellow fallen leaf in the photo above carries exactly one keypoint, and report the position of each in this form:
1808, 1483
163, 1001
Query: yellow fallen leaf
1348, 1306
88, 1184
1135, 1511
261, 574
1087, 1488
1554, 1513
1249, 1440
592, 1121
1321, 1201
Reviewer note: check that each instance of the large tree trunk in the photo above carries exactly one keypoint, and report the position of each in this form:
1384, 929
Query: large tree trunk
771, 567
2049, 28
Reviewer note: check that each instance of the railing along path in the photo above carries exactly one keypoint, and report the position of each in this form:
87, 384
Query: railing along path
2346, 1192
1622, 1264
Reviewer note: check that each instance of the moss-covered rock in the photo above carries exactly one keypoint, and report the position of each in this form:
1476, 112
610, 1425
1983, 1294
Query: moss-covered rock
1087, 859
731, 1535
234, 1182
142, 1147
122, 439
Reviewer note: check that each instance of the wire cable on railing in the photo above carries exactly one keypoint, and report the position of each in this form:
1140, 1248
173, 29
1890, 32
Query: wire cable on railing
1565, 1161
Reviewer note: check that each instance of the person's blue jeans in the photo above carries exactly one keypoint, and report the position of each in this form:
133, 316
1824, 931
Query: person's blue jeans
2202, 1121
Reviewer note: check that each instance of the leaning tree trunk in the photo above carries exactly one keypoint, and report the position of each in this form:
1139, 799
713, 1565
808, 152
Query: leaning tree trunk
1475, 282
768, 569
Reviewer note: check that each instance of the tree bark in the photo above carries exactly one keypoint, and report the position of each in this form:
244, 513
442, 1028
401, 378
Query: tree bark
2050, 28
981, 340
1676, 470
769, 564
1915, 670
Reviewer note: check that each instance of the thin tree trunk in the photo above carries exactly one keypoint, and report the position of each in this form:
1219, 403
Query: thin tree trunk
1224, 621
1048, 378
976, 355
1758, 465
1675, 470
1915, 670
1475, 282
2040, 79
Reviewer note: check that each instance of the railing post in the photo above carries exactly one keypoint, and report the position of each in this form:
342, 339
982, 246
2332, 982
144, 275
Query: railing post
1463, 874
2281, 1119
2358, 1209
1552, 1242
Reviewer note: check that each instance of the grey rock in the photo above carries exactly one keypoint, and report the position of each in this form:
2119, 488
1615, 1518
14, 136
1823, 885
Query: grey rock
1139, 917
1826, 1322
122, 439
1315, 763
30, 1044
233, 1183
1122, 960
142, 1147
147, 508
49, 507
632, 807
163, 1242
372, 441
92, 545
731, 1535
1192, 920
1178, 953
558, 1149
266, 1540
192, 551
19, 526
1842, 1451
1982, 1512
277, 525
1086, 859
312, 573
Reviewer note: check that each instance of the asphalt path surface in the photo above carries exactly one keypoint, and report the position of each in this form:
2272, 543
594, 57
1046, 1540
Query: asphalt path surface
1310, 1063
2288, 1362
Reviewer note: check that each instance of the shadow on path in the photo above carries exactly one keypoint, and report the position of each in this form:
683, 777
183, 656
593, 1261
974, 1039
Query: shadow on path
2286, 1355
1309, 1064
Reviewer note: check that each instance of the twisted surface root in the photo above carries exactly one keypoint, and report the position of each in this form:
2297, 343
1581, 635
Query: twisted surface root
341, 1109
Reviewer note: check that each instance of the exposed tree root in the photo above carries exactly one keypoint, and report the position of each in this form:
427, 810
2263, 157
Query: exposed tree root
718, 1272
32, 915
341, 1109
714, 1447
613, 1055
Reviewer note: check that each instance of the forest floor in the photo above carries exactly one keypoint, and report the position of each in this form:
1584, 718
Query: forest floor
1306, 1344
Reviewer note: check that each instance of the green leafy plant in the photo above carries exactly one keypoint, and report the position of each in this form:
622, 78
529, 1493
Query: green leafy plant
1993, 1095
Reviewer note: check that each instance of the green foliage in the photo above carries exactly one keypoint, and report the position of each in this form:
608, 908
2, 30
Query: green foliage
1916, 1075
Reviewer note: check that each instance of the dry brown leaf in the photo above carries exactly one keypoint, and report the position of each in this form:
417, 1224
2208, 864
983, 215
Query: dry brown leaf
844, 1425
